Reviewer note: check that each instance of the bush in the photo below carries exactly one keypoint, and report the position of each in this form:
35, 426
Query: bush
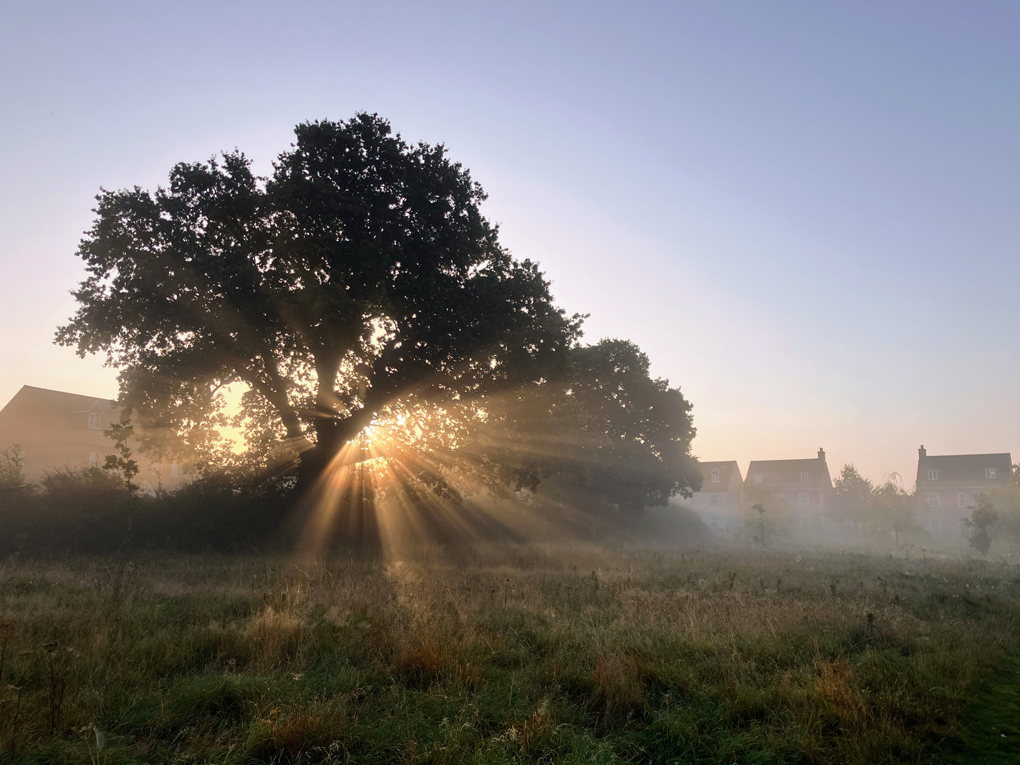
89, 510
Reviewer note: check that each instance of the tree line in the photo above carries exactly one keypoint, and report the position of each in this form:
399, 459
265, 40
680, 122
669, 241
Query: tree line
890, 509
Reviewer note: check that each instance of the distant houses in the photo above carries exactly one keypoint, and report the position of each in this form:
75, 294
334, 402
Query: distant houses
948, 487
54, 429
800, 492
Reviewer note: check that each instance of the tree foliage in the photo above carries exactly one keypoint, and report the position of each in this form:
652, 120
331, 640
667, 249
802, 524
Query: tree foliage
362, 271
605, 434
640, 428
892, 510
12, 474
851, 493
981, 518
1006, 502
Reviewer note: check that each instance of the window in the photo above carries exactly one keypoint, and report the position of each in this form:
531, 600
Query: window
757, 477
804, 499
989, 472
93, 458
933, 475
805, 476
175, 470
961, 499
935, 525
713, 499
715, 476
805, 520
95, 421
933, 499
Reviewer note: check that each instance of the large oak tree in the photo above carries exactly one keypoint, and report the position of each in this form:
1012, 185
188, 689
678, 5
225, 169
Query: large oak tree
359, 272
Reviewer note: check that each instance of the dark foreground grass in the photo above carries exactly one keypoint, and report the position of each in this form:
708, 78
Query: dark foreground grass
502, 654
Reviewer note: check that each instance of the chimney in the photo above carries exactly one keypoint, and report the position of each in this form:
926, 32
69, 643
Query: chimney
821, 454
922, 452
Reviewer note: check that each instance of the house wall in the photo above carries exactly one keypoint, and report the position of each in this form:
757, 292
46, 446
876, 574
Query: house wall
944, 516
721, 505
55, 430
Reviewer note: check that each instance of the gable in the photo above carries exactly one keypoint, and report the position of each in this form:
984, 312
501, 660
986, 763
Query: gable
727, 473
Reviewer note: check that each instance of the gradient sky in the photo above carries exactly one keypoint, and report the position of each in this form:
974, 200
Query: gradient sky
808, 214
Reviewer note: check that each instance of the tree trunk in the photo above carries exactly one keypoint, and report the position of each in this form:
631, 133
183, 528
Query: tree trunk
325, 516
332, 435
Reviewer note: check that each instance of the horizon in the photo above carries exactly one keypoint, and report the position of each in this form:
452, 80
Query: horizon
780, 207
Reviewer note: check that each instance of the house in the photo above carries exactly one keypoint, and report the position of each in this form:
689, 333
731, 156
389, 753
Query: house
55, 429
800, 489
948, 486
720, 502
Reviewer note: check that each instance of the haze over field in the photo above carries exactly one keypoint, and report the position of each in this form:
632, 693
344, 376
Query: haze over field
807, 215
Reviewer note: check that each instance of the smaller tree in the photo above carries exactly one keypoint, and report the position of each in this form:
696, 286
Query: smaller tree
851, 495
1006, 501
761, 517
12, 474
981, 518
892, 510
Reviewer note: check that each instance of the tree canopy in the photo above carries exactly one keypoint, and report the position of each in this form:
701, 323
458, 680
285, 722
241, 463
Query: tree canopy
605, 434
360, 271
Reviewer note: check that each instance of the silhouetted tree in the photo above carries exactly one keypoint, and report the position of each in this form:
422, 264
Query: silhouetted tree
981, 518
642, 429
851, 493
360, 272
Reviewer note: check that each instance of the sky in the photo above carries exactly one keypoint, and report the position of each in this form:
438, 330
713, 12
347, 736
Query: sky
807, 214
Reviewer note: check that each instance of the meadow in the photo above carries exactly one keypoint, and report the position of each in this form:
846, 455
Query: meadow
560, 653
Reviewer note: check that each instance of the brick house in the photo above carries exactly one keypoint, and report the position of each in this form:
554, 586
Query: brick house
55, 429
720, 503
948, 486
802, 489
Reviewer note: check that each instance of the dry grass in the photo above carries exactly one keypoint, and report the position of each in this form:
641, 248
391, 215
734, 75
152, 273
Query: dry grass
568, 653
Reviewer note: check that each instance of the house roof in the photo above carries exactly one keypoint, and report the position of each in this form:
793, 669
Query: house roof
728, 470
51, 408
787, 474
964, 468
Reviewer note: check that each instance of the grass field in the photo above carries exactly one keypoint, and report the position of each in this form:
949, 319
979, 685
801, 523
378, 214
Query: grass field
568, 653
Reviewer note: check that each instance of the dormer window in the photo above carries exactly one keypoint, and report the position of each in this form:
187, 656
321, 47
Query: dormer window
757, 477
95, 421
933, 475
989, 472
805, 476
715, 476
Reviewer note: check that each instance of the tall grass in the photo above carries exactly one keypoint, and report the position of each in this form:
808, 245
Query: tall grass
497, 653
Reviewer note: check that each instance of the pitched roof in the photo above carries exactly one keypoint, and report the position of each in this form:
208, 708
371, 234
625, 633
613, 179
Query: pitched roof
726, 470
964, 468
787, 474
51, 408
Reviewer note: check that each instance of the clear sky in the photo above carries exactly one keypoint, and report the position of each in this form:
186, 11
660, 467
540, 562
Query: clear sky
807, 213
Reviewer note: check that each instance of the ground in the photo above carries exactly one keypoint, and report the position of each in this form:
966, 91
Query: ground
510, 653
